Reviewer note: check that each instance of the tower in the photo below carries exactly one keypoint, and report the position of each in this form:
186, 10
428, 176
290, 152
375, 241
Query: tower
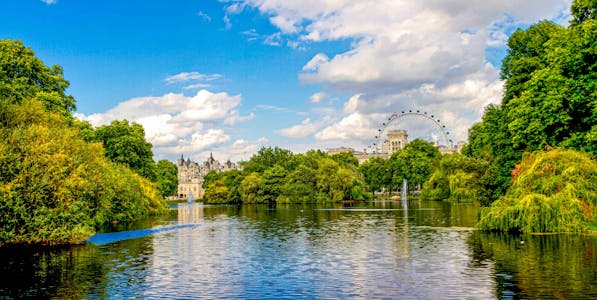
397, 139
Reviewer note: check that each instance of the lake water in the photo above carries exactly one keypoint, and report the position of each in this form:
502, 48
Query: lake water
421, 250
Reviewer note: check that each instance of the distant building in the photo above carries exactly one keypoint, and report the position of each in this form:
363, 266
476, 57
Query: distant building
396, 140
190, 174
332, 151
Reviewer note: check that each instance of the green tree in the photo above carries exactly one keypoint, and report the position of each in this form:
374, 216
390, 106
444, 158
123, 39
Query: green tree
527, 53
376, 173
216, 192
345, 159
211, 177
267, 158
275, 175
250, 187
166, 174
415, 163
549, 99
24, 76
457, 178
552, 191
273, 180
583, 11
125, 144
55, 188
300, 186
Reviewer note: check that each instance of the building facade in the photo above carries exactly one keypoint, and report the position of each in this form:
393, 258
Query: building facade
190, 175
396, 140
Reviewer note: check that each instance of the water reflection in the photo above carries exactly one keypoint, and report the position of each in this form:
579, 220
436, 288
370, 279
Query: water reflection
190, 213
402, 250
540, 266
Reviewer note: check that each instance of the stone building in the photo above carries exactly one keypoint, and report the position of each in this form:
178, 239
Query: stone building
397, 139
190, 174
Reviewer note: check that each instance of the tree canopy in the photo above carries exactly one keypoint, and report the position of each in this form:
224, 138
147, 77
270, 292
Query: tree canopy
166, 174
275, 175
125, 144
415, 163
56, 184
550, 96
24, 76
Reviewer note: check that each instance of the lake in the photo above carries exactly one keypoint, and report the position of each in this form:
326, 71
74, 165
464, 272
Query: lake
379, 249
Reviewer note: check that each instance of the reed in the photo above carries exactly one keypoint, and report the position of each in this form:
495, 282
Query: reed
552, 191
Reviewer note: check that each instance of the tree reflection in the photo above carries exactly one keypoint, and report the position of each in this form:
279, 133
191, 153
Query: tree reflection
539, 266
74, 272
65, 273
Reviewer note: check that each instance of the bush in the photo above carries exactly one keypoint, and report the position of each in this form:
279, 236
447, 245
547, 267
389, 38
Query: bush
552, 191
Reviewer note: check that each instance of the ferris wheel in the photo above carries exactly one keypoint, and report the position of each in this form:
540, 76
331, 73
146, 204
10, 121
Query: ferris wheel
395, 118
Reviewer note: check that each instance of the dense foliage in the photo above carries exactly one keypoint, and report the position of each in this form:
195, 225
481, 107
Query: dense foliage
166, 174
55, 186
275, 175
23, 76
552, 191
550, 96
415, 163
457, 178
125, 144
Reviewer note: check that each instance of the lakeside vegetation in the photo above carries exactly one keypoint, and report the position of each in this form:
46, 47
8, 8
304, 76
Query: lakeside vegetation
59, 179
552, 191
550, 100
275, 175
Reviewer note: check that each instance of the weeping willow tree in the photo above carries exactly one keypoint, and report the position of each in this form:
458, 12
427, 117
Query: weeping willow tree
552, 191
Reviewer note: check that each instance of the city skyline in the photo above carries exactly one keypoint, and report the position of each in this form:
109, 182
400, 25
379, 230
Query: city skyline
233, 76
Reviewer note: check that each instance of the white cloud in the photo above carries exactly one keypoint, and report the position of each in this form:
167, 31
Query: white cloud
306, 128
204, 16
314, 63
318, 97
273, 39
241, 149
353, 126
235, 117
428, 55
49, 2
278, 109
191, 76
197, 86
251, 34
352, 104
175, 123
285, 25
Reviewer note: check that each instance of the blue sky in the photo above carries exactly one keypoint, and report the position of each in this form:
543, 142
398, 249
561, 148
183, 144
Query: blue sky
232, 76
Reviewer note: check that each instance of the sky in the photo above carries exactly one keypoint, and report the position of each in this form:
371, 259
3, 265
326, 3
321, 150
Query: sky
230, 77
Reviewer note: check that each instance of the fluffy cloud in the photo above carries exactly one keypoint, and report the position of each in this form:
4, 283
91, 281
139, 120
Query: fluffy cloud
428, 55
175, 123
306, 128
49, 2
353, 126
318, 97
